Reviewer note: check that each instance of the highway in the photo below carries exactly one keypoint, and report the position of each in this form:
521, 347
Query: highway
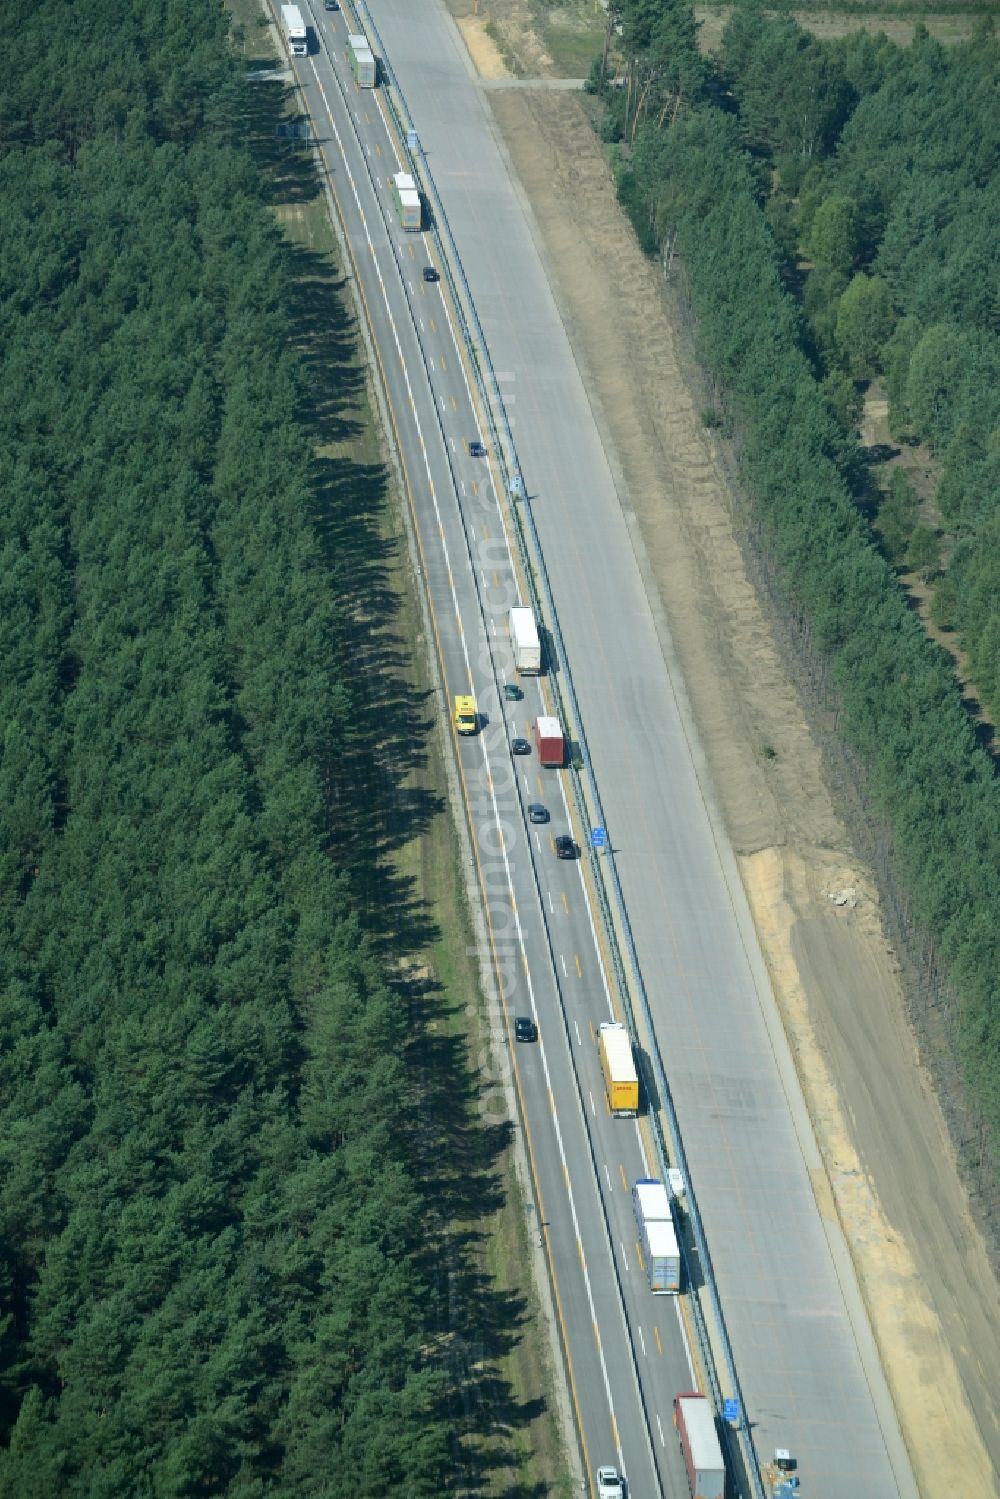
802, 1342
627, 1350
803, 1345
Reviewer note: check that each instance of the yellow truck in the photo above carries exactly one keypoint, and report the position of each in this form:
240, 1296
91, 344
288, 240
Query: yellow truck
466, 717
621, 1081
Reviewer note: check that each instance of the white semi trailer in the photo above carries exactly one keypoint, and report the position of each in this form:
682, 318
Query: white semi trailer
658, 1239
296, 34
525, 642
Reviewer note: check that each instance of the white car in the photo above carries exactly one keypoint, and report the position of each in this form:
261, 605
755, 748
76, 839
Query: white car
609, 1485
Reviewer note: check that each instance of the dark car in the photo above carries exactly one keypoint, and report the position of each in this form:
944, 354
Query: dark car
525, 1028
332, 5
477, 449
538, 813
512, 692
565, 847
430, 274
519, 746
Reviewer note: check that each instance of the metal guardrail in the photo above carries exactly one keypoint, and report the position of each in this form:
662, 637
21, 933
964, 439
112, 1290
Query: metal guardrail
583, 781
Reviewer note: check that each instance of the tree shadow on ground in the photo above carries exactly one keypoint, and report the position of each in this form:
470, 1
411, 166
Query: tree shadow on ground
461, 1118
379, 800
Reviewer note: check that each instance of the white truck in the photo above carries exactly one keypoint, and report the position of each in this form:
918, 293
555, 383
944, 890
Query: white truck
363, 64
657, 1237
525, 643
296, 35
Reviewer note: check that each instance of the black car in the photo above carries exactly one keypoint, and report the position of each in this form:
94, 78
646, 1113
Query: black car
519, 746
565, 847
538, 813
525, 1028
512, 692
477, 449
430, 274
332, 5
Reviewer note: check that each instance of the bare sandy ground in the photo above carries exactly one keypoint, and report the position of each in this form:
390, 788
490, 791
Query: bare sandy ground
890, 1174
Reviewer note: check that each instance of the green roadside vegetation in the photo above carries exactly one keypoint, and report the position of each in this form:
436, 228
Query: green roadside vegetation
247, 1189
833, 206
570, 31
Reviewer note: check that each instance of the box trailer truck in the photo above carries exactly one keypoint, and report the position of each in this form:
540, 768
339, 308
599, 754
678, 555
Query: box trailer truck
525, 642
407, 201
549, 743
362, 61
296, 35
657, 1238
700, 1446
621, 1081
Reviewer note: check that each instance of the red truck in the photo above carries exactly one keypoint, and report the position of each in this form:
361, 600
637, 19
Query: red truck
700, 1448
549, 742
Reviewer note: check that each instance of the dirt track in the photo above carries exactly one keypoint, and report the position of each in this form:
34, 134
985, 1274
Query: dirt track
923, 1269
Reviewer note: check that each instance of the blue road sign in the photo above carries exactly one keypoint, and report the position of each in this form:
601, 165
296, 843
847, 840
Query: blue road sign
731, 1411
599, 837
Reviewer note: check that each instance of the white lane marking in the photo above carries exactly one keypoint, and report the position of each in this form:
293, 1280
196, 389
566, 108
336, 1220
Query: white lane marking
687, 1346
646, 1169
660, 1429
548, 892
579, 1038
607, 1173
592, 1108
563, 962
642, 1340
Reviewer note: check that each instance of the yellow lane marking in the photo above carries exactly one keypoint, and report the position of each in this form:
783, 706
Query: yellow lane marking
621, 1168
659, 1340
579, 970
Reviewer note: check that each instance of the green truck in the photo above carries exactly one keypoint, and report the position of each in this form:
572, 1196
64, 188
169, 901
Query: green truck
407, 201
363, 64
